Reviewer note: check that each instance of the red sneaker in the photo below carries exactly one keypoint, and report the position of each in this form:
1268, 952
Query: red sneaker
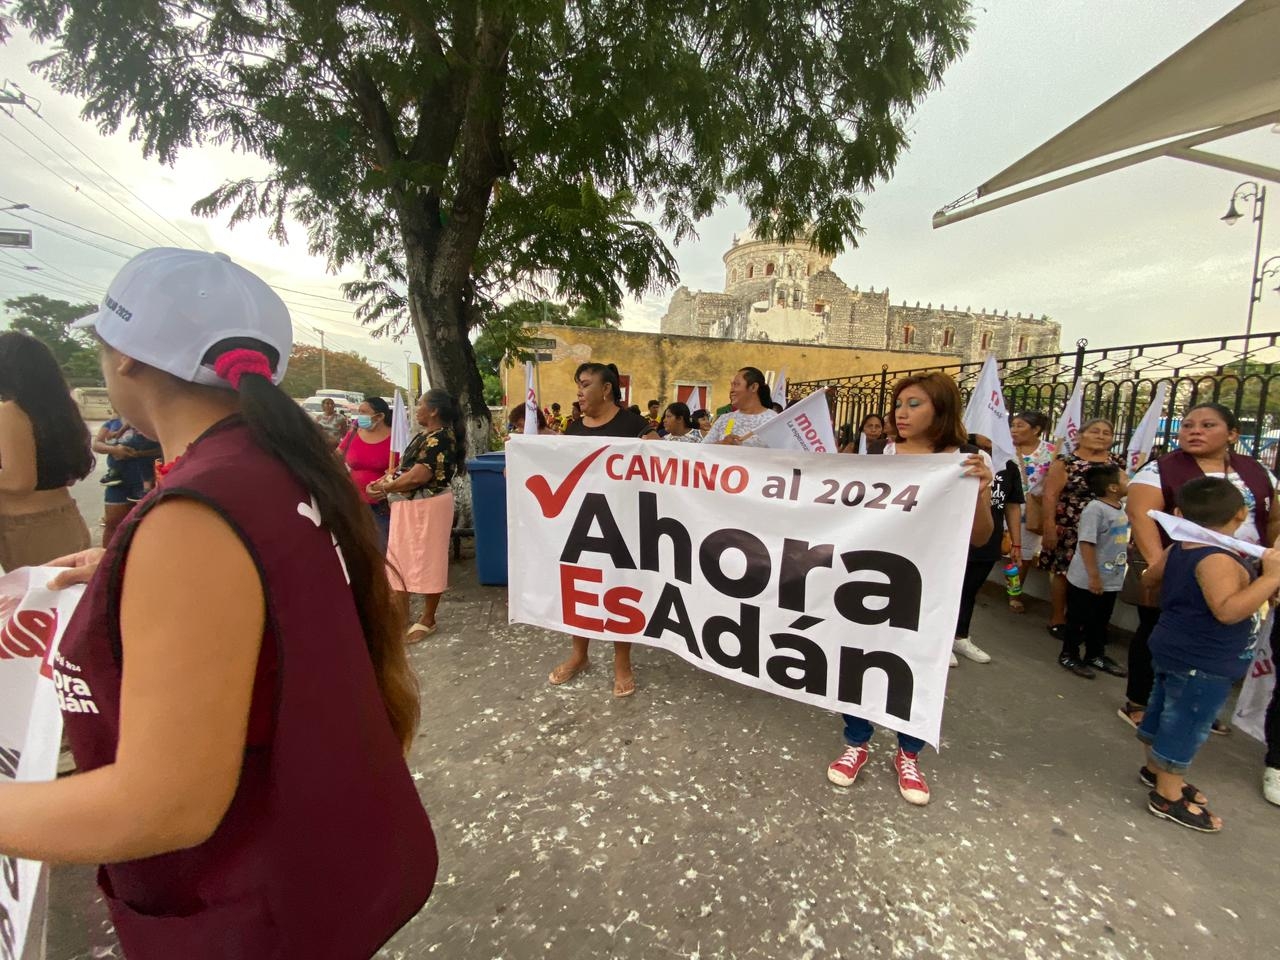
845, 769
910, 781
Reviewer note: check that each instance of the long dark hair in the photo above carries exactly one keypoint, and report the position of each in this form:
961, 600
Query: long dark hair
379, 406
29, 376
947, 429
681, 412
607, 372
451, 414
757, 383
285, 430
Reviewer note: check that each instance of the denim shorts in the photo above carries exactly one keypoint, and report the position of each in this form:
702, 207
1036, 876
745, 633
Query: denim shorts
1181, 709
131, 491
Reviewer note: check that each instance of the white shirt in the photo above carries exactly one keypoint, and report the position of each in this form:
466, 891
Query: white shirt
737, 424
1149, 476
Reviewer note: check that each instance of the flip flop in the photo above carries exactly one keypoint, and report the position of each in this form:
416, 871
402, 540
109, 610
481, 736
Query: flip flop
419, 628
563, 673
621, 692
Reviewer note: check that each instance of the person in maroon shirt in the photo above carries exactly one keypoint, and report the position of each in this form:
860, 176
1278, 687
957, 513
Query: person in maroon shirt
243, 781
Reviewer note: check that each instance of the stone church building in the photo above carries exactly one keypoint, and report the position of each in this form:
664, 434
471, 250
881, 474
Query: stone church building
788, 293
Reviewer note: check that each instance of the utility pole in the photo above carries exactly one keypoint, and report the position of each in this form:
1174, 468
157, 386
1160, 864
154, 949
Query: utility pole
324, 373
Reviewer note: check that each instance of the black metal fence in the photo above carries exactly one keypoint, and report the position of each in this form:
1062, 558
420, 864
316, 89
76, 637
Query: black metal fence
1119, 384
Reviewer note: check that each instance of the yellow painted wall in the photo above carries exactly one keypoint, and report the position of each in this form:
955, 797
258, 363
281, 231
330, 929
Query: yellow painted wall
657, 362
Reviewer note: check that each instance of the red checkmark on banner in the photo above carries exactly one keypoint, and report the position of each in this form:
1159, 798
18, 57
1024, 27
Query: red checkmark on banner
551, 501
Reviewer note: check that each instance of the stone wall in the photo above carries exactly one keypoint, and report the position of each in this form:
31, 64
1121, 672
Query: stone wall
658, 363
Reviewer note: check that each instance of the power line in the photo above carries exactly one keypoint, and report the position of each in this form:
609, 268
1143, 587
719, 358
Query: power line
40, 284
88, 157
76, 189
64, 277
107, 193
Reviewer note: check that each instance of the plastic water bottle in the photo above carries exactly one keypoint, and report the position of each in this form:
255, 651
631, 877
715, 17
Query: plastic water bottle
1013, 579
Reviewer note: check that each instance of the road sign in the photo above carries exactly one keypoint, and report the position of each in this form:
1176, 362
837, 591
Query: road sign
16, 238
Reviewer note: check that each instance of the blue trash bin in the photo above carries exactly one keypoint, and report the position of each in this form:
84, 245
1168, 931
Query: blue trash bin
489, 516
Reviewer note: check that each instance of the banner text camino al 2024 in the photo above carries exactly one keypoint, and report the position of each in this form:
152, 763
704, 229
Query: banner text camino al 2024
833, 580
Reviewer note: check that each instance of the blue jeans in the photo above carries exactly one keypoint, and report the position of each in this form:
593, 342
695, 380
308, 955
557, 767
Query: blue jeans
1180, 711
382, 520
858, 731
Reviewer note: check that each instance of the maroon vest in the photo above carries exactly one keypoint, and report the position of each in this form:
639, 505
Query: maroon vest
325, 850
1178, 467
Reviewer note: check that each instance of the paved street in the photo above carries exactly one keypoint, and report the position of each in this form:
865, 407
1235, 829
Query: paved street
695, 820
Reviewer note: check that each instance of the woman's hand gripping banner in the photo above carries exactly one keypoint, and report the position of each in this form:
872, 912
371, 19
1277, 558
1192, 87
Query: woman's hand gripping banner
830, 580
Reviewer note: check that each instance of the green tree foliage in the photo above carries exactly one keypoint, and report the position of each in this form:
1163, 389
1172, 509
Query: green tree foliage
49, 320
463, 152
344, 371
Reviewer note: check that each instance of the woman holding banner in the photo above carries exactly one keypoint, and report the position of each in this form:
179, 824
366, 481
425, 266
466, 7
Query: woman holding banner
421, 499
927, 416
600, 399
1066, 494
752, 405
257, 737
1205, 438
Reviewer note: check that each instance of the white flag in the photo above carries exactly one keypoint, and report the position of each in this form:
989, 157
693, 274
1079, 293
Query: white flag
780, 387
1180, 528
400, 429
530, 401
987, 415
1072, 416
1144, 435
862, 442
805, 425
695, 400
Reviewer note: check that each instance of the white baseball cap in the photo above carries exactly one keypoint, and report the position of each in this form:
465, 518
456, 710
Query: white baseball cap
167, 306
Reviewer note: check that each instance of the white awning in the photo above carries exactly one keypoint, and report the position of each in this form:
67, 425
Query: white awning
1224, 82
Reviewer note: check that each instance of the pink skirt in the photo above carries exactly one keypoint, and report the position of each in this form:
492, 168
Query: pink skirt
418, 548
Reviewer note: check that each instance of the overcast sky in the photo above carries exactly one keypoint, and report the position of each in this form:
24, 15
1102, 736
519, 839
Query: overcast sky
1134, 256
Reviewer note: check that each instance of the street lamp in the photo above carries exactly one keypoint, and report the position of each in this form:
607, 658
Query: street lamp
1249, 190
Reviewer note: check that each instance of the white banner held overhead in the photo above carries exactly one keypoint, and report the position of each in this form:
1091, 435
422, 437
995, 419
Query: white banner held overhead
400, 429
839, 588
1072, 416
988, 416
1144, 435
530, 401
805, 425
780, 387
1180, 528
32, 619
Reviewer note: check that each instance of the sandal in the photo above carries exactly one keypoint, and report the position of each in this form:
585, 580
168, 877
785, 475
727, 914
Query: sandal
1132, 715
622, 689
420, 631
1179, 811
1017, 606
1220, 729
1057, 630
566, 672
1189, 791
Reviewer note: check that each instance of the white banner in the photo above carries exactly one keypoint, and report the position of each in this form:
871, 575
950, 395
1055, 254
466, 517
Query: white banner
401, 433
32, 619
988, 416
530, 401
780, 387
805, 425
1144, 435
1072, 416
829, 580
1259, 685
1180, 528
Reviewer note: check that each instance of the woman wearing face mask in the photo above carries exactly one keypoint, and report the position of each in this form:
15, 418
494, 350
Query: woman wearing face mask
366, 450
1205, 439
1066, 494
242, 697
422, 505
752, 408
600, 399
927, 411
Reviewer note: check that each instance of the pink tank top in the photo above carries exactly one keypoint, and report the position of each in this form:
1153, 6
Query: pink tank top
366, 461
325, 850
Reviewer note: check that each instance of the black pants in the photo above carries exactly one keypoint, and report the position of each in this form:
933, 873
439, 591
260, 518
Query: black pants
1088, 616
975, 575
1141, 676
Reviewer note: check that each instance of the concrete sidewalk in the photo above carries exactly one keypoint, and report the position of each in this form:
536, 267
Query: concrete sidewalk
695, 819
